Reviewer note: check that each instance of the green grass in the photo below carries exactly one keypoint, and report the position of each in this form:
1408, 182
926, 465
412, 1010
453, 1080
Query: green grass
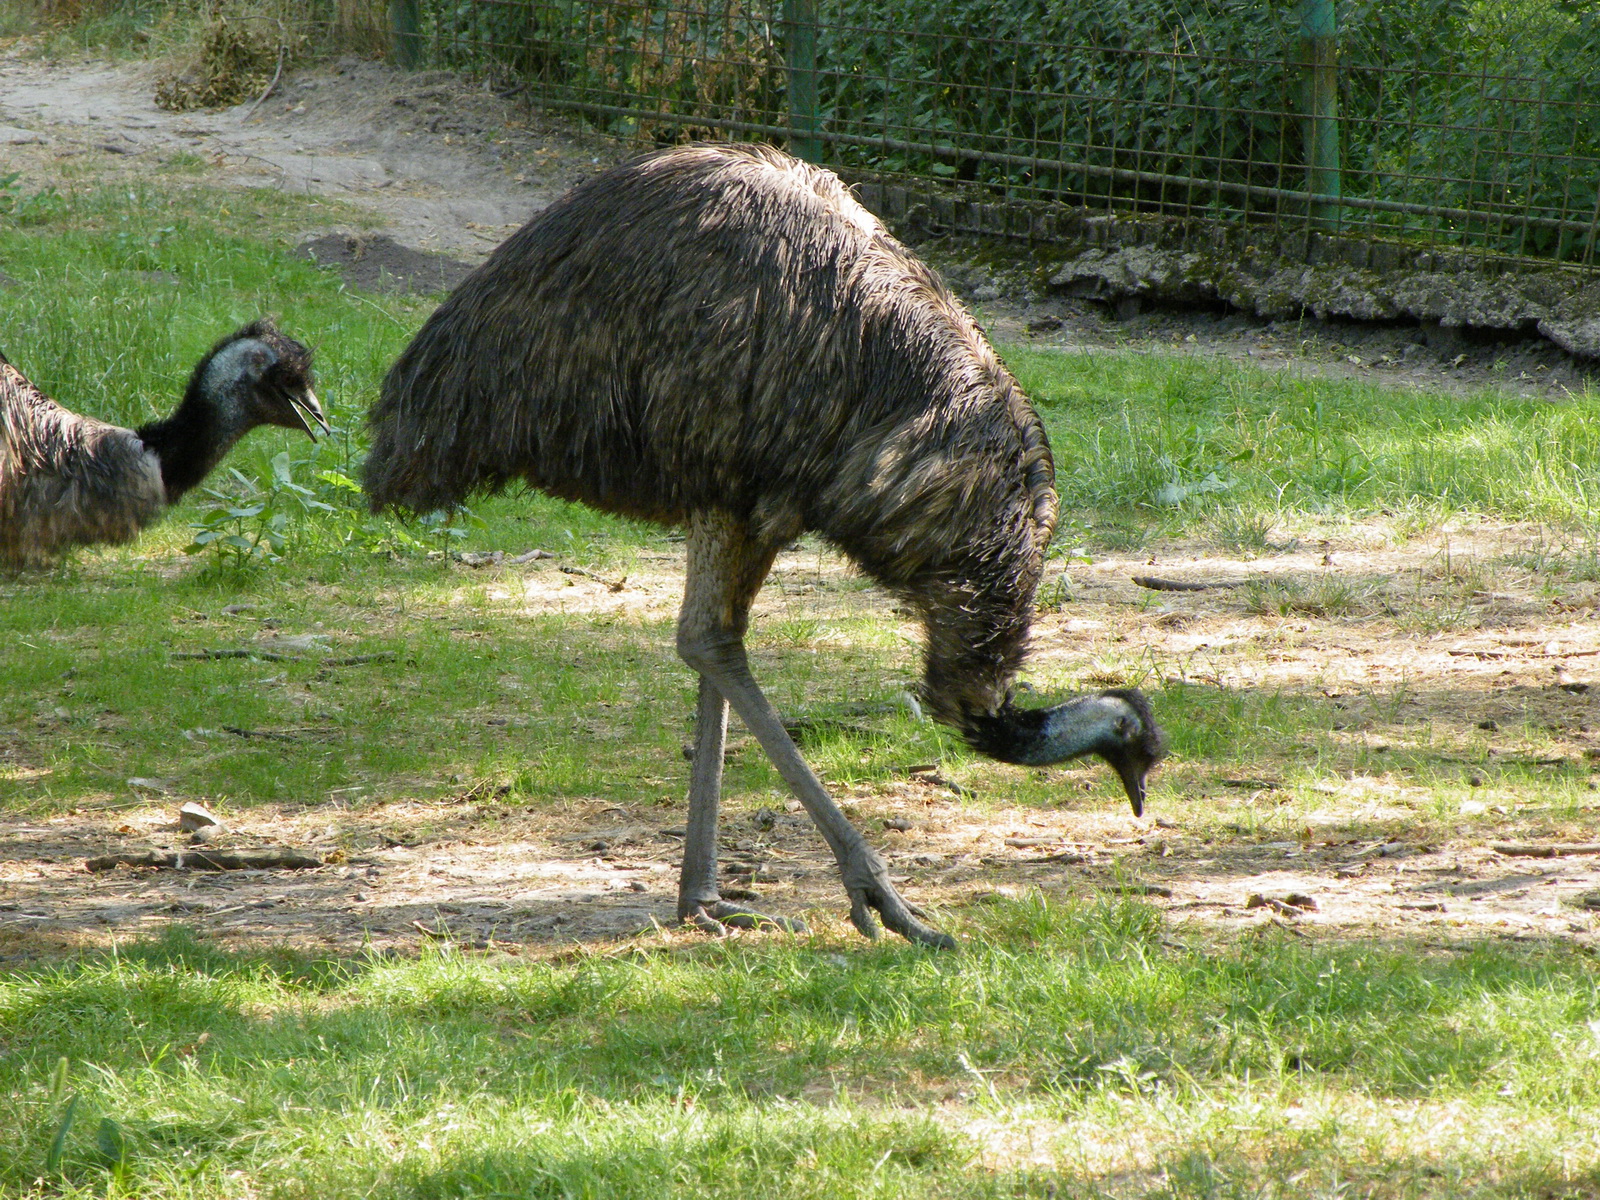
1135, 430
1071, 1049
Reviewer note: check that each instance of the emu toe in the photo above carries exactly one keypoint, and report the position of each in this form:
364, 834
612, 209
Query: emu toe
718, 916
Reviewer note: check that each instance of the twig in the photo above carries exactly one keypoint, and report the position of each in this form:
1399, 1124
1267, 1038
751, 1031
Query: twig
929, 775
614, 585
1518, 850
283, 45
1139, 889
378, 308
349, 660
273, 735
268, 655
1157, 584
207, 860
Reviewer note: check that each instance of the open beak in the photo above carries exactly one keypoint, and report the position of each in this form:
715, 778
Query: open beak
308, 410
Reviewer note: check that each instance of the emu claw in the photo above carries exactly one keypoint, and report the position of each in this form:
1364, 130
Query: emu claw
897, 917
866, 880
717, 917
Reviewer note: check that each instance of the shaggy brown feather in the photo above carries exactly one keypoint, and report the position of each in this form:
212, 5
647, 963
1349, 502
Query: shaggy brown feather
719, 328
68, 480
111, 490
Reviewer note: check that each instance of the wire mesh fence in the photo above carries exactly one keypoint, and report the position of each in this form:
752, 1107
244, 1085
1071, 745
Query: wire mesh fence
1471, 126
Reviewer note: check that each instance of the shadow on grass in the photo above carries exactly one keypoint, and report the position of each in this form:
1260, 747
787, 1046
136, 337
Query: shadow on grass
733, 1067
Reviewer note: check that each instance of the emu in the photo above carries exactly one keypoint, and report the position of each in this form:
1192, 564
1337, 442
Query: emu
722, 338
68, 480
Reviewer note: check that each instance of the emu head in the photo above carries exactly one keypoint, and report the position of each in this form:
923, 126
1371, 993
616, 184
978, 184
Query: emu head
1116, 725
258, 376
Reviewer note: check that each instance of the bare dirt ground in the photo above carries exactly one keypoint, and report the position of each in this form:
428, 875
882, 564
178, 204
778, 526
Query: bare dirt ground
1457, 639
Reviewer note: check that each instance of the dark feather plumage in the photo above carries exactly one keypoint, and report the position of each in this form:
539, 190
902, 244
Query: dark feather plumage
69, 480
726, 328
722, 337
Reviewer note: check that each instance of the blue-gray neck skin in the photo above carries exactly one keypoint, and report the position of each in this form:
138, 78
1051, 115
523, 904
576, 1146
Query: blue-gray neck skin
190, 442
1117, 725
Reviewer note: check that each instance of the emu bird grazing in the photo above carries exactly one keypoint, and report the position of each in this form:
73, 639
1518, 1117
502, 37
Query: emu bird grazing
67, 480
721, 338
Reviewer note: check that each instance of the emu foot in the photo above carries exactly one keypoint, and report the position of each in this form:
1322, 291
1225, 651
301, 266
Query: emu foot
716, 917
866, 879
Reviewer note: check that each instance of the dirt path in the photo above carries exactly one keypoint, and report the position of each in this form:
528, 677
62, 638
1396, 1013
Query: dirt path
441, 166
1452, 639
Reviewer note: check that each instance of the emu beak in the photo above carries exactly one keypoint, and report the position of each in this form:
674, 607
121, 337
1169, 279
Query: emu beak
1132, 776
307, 409
1131, 767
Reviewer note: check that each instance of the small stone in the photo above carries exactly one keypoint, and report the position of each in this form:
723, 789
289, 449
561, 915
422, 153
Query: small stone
192, 817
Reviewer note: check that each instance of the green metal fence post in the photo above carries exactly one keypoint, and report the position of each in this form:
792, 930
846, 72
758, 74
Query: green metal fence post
405, 19
800, 56
1318, 46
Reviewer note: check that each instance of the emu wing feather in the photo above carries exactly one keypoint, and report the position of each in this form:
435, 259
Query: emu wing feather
67, 480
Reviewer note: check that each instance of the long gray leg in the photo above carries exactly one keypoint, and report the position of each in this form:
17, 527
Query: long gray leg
699, 901
726, 567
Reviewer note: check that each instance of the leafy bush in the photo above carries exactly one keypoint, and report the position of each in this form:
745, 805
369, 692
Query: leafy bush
1456, 104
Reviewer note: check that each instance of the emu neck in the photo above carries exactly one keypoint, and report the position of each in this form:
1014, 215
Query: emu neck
190, 442
975, 646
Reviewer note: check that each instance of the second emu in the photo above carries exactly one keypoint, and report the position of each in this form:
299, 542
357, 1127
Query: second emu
721, 338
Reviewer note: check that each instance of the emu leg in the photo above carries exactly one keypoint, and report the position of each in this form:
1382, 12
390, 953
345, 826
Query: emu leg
726, 567
699, 901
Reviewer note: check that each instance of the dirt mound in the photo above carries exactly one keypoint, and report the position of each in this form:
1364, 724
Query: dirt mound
381, 264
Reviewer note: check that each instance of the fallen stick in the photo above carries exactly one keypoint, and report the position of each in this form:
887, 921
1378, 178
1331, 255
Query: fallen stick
612, 585
283, 46
799, 728
1138, 889
348, 660
207, 860
1157, 584
1518, 850
270, 734
269, 655
937, 780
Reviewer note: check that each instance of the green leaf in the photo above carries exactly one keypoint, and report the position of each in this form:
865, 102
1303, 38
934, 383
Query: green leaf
338, 480
58, 1144
109, 1141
